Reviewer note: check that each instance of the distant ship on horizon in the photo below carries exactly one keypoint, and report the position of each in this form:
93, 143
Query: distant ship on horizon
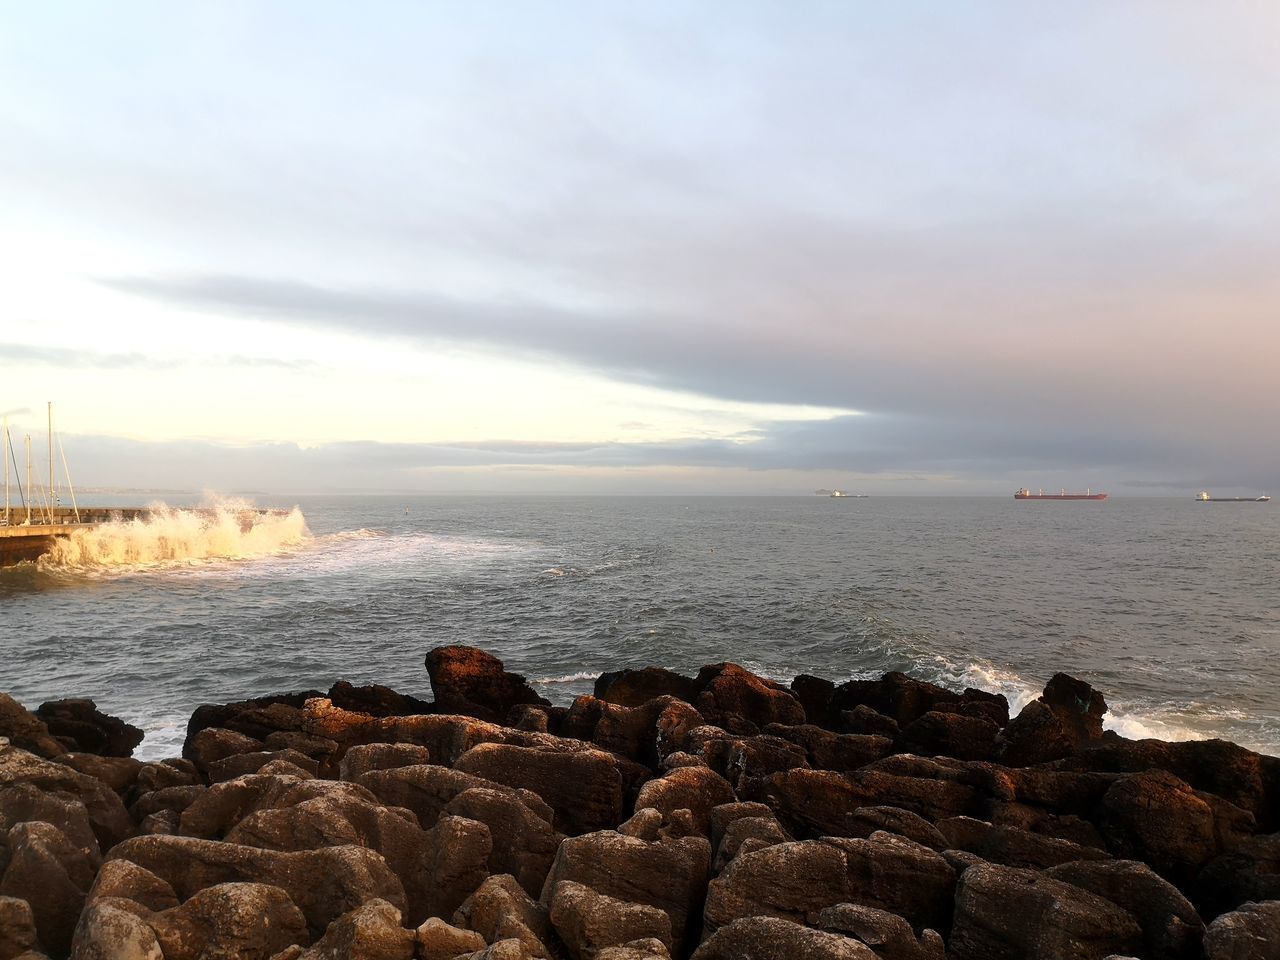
851, 496
1025, 494
1203, 497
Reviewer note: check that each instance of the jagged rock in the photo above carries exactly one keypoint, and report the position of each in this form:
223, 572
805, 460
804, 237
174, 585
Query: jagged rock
230, 919
162, 822
727, 690
887, 934
632, 688
524, 842
905, 699
377, 701
645, 733
670, 874
1009, 912
772, 938
1158, 819
644, 824
867, 820
1012, 846
322, 883
128, 881
502, 950
588, 921
26, 731
1250, 933
438, 940
950, 735
1171, 928
110, 930
118, 773
696, 789
371, 931
814, 694
167, 773
106, 812
833, 751
799, 880
646, 949
217, 743
240, 764
1036, 735
166, 798
217, 811
746, 761
44, 868
425, 789
868, 722
23, 802
722, 816
1077, 705
257, 717
457, 862
584, 787
17, 928
499, 910
1248, 871
362, 758
471, 682
766, 831
82, 727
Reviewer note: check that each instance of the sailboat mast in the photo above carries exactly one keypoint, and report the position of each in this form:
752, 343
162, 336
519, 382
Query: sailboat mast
29, 496
51, 498
6, 471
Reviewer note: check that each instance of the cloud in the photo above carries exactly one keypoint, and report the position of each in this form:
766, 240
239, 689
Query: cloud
72, 358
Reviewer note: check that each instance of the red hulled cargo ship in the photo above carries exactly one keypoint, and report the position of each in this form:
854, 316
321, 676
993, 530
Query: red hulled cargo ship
1025, 494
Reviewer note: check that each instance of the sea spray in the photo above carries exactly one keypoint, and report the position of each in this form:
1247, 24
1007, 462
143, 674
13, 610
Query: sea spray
220, 530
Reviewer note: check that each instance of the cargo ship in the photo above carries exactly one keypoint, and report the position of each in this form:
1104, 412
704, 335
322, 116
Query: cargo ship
1203, 497
1025, 494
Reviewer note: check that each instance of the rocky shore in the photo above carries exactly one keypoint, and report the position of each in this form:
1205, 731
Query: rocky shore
719, 817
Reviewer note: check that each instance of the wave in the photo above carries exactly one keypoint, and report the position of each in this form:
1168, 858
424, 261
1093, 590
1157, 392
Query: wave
223, 529
567, 678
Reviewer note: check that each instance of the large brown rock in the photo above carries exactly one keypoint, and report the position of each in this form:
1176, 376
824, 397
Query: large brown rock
1158, 819
43, 867
833, 751
1079, 707
886, 933
25, 731
632, 688
82, 727
904, 699
939, 733
17, 928
362, 758
500, 911
377, 701
371, 931
727, 690
587, 921
670, 874
120, 879
1012, 846
583, 787
106, 812
323, 884
1036, 735
22, 802
474, 683
438, 940
1005, 913
230, 919
1248, 871
696, 789
772, 938
1250, 933
524, 842
457, 862
1171, 928
111, 929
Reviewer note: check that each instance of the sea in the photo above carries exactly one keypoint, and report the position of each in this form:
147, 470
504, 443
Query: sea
1168, 606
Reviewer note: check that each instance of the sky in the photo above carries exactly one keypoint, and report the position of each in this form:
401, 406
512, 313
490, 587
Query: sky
573, 247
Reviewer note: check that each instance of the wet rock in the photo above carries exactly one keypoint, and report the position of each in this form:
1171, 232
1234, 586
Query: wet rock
632, 688
584, 788
773, 938
696, 789
44, 868
1250, 933
106, 812
887, 934
950, 735
17, 928
867, 721
83, 728
457, 862
471, 682
377, 701
26, 731
1012, 846
230, 919
500, 911
438, 940
322, 883
371, 931
670, 874
524, 842
588, 921
110, 930
726, 689
1009, 912
1171, 928
894, 695
362, 758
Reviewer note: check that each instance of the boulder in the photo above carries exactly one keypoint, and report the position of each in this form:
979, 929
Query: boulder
833, 751
438, 940
1171, 928
867, 721
111, 930
371, 931
474, 683
727, 690
1250, 933
764, 831
887, 934
772, 938
257, 718
362, 758
43, 867
240, 764
106, 812
722, 816
217, 743
176, 799
82, 727
632, 688
587, 921
23, 802
696, 789
1011, 846
1158, 819
583, 787
1006, 912
670, 874
500, 911
230, 919
1036, 735
1248, 871
867, 820
26, 731
524, 842
456, 863
17, 928
425, 789
939, 733
323, 884
904, 699
646, 949
1077, 705
118, 773
123, 880
377, 701
814, 694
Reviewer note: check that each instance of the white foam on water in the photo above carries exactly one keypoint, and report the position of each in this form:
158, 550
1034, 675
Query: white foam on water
221, 529
567, 678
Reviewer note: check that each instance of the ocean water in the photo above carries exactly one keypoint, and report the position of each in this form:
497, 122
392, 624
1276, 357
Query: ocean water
1170, 607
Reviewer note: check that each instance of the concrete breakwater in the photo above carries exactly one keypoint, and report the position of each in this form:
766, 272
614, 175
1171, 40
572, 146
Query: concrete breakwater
714, 816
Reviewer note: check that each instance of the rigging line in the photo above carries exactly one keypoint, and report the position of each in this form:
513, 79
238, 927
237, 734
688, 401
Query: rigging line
66, 472
17, 476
